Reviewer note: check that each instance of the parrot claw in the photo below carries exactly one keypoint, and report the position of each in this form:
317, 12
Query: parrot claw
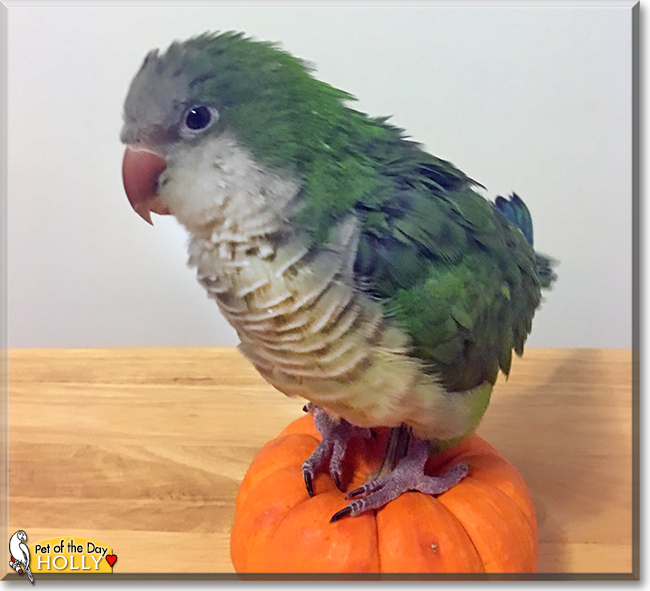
331, 449
366, 489
337, 480
340, 514
308, 476
408, 475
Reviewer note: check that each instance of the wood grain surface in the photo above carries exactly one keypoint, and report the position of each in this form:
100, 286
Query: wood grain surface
144, 449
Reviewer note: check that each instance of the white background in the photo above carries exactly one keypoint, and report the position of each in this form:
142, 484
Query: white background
532, 100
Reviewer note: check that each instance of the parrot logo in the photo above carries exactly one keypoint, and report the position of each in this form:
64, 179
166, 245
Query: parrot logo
20, 555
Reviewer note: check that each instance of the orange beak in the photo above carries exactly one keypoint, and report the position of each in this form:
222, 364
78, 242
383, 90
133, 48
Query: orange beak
141, 168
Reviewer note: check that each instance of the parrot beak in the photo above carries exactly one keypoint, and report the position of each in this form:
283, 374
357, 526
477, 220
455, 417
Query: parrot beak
141, 168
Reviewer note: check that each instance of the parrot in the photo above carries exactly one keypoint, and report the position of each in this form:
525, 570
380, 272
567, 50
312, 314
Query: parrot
360, 272
20, 557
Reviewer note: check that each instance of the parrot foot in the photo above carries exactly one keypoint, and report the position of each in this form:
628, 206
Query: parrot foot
407, 475
336, 434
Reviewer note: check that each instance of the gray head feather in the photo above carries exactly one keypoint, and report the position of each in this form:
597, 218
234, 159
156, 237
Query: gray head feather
157, 98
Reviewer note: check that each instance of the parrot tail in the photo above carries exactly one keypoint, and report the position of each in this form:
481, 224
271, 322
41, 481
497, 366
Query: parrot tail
516, 212
545, 271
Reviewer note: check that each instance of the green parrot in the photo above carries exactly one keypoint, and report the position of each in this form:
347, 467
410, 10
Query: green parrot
359, 271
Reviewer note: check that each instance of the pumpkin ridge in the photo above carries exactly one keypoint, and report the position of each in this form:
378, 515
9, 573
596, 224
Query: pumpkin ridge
503, 499
377, 532
529, 517
444, 466
462, 525
278, 523
359, 550
273, 530
519, 495
250, 508
405, 549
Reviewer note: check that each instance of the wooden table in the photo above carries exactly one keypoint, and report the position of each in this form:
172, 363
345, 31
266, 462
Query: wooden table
144, 449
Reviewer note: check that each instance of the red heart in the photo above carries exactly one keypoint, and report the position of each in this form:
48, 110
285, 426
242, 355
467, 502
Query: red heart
111, 558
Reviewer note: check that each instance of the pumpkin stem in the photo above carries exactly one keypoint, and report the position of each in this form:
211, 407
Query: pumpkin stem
396, 448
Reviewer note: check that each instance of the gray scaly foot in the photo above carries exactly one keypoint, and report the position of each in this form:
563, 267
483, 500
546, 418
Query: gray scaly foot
336, 434
407, 475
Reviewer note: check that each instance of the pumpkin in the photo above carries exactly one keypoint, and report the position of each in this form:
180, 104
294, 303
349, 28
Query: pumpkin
486, 523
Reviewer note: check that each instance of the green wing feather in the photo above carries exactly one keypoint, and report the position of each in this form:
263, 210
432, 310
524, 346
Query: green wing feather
457, 275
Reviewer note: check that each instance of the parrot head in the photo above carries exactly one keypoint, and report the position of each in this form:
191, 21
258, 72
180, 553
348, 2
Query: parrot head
217, 98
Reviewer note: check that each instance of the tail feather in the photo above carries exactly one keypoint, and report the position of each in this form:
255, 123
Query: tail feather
545, 271
516, 212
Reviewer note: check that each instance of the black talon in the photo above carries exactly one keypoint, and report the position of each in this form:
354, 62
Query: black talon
337, 481
340, 514
355, 493
308, 484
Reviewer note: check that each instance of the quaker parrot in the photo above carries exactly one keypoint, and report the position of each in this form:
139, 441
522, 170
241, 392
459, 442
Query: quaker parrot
20, 556
359, 271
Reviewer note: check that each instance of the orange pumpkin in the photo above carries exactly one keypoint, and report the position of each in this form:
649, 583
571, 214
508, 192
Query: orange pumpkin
486, 523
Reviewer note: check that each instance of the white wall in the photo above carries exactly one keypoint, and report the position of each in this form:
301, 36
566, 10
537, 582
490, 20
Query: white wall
532, 100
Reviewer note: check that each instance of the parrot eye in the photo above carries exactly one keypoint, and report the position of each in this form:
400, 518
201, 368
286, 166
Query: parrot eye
199, 117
